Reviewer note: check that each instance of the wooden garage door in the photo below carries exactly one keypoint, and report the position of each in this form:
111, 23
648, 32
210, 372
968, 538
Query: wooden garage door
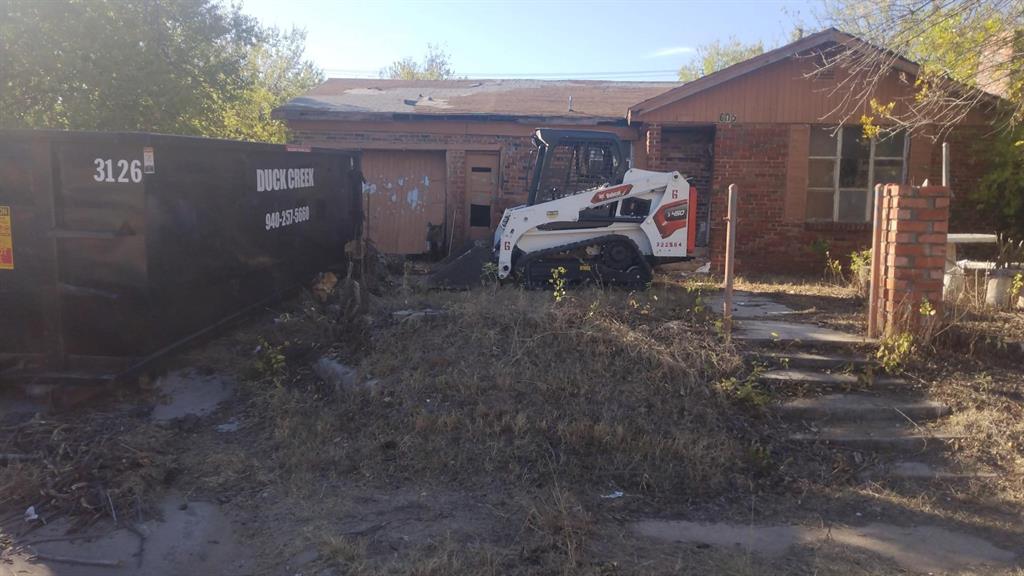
405, 193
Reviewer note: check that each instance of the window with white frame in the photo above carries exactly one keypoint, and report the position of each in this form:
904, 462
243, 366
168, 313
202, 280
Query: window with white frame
843, 169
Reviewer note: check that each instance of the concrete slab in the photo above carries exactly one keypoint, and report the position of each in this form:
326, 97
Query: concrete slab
916, 548
779, 331
198, 539
925, 471
877, 436
749, 305
797, 359
830, 380
16, 407
862, 407
187, 392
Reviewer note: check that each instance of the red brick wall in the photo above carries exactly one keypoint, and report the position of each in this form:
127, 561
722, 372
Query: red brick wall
768, 164
756, 157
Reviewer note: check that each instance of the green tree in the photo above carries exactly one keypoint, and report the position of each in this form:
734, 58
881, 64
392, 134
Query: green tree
175, 66
964, 48
436, 65
1001, 191
717, 55
275, 72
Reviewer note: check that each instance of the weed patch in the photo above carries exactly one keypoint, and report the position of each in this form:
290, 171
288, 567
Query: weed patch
597, 389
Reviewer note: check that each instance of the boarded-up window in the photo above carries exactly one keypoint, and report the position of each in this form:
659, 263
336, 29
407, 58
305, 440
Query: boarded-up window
479, 215
843, 168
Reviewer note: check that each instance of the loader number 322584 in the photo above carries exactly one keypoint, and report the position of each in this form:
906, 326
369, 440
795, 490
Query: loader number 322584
123, 171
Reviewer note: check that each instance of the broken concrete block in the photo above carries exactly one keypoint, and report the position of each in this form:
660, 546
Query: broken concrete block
340, 377
416, 315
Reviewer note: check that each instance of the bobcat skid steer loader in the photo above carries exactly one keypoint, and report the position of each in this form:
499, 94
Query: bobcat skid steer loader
592, 220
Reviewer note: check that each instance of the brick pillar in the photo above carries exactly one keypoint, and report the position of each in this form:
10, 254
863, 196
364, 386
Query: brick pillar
914, 224
654, 159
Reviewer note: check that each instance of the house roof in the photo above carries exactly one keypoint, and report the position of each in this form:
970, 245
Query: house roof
829, 36
593, 101
528, 101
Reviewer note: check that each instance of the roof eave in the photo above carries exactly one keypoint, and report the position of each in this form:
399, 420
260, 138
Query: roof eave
286, 114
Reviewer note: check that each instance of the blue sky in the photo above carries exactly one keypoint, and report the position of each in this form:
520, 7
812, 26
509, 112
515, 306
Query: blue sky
517, 39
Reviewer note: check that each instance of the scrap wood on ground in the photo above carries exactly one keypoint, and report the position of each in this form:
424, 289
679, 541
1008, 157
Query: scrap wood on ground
87, 468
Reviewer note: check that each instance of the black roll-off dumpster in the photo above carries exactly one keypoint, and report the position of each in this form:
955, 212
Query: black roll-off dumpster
117, 247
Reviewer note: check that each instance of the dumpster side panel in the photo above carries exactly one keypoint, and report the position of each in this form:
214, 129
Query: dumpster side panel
101, 239
26, 198
128, 244
223, 237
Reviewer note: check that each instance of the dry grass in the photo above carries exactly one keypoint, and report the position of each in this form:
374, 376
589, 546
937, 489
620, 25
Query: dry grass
795, 286
988, 409
598, 390
973, 328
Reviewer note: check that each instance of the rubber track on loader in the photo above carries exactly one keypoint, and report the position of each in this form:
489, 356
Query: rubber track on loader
647, 273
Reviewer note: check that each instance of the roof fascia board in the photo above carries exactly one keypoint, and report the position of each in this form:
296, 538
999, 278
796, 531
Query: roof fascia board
292, 114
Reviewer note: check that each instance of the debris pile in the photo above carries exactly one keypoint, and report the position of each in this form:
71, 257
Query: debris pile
98, 466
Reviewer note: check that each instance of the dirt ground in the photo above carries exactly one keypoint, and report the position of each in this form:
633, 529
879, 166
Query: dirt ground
487, 432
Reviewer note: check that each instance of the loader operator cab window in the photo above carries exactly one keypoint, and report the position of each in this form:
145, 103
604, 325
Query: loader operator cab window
635, 207
572, 167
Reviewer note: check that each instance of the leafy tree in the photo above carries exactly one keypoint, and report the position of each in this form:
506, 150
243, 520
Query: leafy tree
964, 48
1001, 191
174, 66
275, 72
717, 55
436, 65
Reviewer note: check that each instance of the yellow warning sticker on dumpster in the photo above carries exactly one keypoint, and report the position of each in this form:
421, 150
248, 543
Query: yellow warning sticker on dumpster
6, 240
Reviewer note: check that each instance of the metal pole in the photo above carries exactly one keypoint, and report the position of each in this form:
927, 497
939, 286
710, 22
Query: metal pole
730, 257
876, 263
945, 164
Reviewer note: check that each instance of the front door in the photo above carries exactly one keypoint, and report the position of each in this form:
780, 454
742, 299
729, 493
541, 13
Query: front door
691, 152
481, 192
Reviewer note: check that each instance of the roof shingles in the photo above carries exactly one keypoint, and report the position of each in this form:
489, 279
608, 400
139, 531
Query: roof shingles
591, 99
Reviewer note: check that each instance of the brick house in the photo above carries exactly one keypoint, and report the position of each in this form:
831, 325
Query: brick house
454, 154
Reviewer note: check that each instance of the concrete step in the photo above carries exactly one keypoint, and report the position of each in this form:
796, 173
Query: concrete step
924, 471
877, 436
786, 335
828, 381
862, 408
797, 359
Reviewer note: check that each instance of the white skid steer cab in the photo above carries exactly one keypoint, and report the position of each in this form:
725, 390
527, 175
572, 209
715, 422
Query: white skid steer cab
589, 215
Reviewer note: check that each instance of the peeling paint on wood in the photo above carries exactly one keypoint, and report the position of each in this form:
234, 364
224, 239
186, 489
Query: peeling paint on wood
413, 186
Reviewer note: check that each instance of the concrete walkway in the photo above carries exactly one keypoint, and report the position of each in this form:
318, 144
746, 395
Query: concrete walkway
761, 319
830, 392
926, 549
